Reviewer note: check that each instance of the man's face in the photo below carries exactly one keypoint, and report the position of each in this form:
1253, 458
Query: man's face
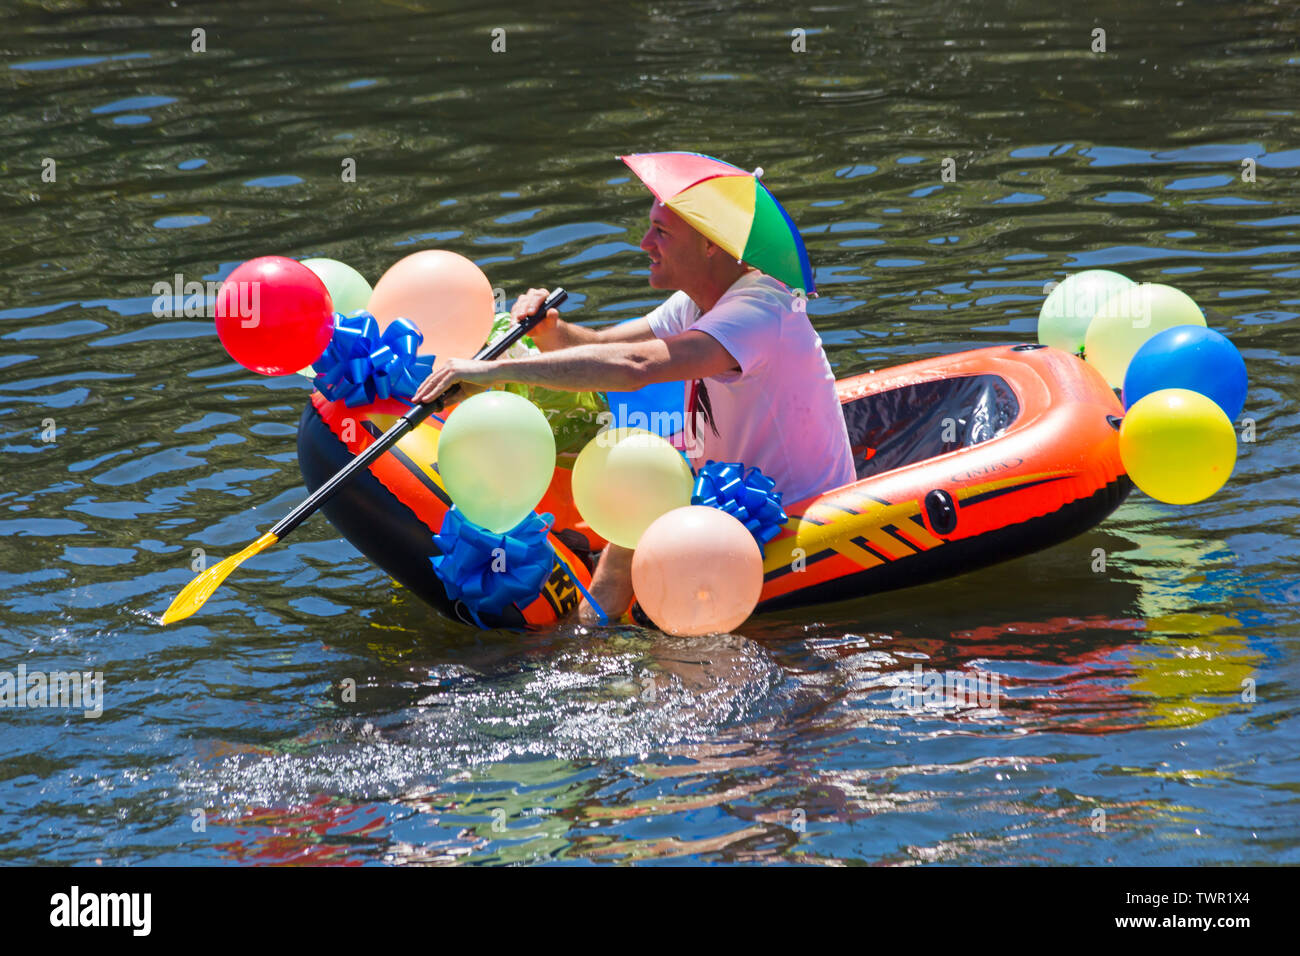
677, 251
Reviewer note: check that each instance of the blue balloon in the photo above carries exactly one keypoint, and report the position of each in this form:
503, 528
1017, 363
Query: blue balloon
1191, 357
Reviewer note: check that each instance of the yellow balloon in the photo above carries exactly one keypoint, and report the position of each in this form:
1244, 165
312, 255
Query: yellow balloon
1127, 319
626, 478
1177, 445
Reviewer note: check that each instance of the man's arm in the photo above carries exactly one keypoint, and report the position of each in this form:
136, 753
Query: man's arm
619, 366
604, 366
567, 335
553, 333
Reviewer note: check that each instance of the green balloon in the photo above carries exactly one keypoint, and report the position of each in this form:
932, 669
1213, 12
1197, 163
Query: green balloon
1063, 321
496, 455
347, 287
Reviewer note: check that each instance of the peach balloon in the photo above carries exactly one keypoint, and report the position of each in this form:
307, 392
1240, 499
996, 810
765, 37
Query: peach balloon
697, 570
445, 295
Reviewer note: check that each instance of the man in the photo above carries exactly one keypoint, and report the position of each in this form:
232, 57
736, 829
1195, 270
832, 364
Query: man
762, 392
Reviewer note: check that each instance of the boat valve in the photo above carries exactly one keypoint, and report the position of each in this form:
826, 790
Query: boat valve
942, 511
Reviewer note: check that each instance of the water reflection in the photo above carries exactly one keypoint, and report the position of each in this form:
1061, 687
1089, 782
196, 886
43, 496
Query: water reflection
574, 747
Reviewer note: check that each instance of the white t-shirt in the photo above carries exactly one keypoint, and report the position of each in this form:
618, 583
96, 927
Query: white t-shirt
780, 412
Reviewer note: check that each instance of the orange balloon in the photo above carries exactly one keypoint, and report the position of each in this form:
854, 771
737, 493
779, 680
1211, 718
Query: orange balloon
445, 295
697, 570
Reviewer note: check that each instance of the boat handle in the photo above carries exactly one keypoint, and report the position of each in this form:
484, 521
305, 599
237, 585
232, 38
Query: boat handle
942, 511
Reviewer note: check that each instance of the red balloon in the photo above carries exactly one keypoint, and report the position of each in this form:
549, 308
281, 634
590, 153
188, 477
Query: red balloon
274, 315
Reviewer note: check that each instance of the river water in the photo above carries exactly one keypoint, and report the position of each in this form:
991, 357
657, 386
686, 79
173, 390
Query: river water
1149, 707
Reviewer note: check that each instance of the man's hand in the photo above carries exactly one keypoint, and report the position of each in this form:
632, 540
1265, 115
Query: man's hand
526, 305
475, 374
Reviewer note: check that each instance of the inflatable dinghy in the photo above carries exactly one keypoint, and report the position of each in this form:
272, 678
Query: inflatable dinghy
962, 461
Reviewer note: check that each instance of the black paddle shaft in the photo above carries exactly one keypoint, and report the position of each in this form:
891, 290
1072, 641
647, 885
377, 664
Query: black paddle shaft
406, 423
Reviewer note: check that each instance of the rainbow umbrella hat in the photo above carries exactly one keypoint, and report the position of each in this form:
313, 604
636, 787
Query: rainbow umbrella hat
732, 208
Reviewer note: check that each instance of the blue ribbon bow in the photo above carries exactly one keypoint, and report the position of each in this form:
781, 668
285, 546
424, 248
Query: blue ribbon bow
488, 570
361, 366
747, 495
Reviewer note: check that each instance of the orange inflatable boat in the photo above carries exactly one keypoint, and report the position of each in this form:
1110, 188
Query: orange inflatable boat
962, 461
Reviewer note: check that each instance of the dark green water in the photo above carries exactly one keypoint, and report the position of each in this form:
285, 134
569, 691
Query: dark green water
1123, 688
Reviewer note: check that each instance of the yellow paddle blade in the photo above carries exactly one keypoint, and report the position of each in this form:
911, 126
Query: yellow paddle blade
195, 594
